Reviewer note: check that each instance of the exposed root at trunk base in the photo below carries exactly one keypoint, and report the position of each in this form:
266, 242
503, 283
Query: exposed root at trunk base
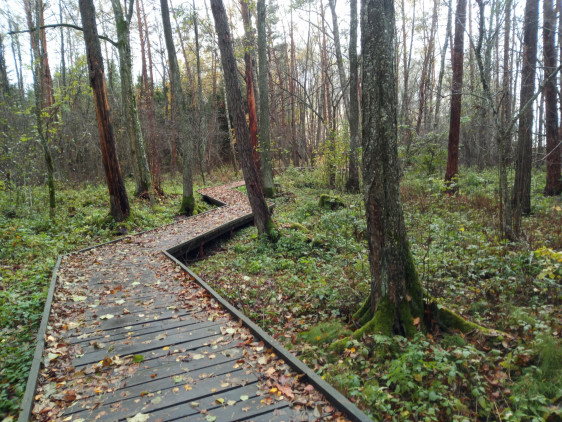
389, 320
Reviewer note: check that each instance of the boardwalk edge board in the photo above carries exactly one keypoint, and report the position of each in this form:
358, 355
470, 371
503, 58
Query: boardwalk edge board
30, 388
334, 396
337, 399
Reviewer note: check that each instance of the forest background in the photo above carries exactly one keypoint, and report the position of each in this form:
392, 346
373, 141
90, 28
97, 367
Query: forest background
486, 240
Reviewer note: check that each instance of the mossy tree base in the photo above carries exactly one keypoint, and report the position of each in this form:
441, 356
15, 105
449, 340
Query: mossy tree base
269, 192
187, 205
389, 319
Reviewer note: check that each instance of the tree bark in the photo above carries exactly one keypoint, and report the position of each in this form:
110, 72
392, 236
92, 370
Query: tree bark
396, 294
180, 109
119, 202
249, 78
264, 132
143, 180
339, 57
354, 136
442, 67
521, 198
262, 217
553, 162
456, 95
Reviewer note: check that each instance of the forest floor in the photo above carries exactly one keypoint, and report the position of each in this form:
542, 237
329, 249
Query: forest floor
303, 289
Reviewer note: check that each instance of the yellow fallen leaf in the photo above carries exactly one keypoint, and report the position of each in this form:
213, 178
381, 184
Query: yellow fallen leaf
187, 387
166, 348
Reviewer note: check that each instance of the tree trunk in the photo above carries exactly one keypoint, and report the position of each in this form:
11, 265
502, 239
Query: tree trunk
180, 109
143, 180
148, 98
262, 217
553, 155
339, 57
521, 198
442, 67
201, 145
455, 120
119, 202
44, 95
396, 294
230, 137
354, 138
264, 134
249, 78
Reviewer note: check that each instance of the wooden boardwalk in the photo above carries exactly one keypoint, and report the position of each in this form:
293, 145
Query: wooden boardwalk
130, 334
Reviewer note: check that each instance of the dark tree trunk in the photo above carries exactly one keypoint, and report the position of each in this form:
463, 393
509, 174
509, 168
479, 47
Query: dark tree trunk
264, 138
521, 198
455, 120
553, 165
354, 139
262, 217
180, 109
442, 67
117, 194
396, 294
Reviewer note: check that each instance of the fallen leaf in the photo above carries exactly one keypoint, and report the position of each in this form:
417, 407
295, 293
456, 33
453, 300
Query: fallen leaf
107, 316
210, 418
244, 398
187, 387
139, 417
138, 358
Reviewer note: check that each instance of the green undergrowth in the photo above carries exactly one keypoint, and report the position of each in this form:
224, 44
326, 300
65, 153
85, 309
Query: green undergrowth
304, 288
29, 245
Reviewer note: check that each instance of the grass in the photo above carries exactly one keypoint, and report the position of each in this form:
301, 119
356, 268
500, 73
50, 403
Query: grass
29, 245
304, 288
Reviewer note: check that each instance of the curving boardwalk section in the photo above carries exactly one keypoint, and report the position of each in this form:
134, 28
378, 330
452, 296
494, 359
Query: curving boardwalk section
132, 335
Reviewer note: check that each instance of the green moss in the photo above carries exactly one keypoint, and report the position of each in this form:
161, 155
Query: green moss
325, 333
330, 202
381, 322
448, 319
453, 341
299, 227
407, 320
269, 192
363, 311
271, 230
413, 286
187, 205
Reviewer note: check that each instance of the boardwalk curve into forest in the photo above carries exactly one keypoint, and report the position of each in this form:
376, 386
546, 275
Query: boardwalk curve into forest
131, 334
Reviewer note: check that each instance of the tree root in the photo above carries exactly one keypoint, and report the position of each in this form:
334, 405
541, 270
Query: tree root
383, 322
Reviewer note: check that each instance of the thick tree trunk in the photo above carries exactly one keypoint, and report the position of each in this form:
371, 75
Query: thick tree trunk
456, 95
396, 294
143, 180
354, 139
262, 217
117, 194
264, 133
553, 148
521, 198
180, 109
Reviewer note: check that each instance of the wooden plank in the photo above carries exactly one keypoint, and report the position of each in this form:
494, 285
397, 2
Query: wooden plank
334, 396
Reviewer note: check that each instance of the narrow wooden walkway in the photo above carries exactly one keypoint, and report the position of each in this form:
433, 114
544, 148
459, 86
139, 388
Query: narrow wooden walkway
132, 335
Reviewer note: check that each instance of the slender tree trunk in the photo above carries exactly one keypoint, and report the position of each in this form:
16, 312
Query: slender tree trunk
396, 294
553, 148
262, 216
148, 101
264, 134
339, 57
143, 180
44, 95
180, 109
292, 93
201, 145
455, 120
442, 67
354, 139
230, 137
249, 78
521, 198
119, 202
